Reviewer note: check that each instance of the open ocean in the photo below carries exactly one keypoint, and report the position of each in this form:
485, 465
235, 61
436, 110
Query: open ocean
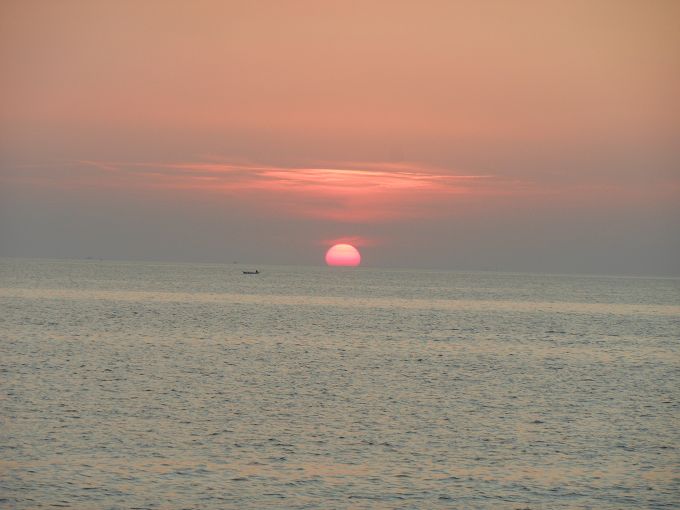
142, 385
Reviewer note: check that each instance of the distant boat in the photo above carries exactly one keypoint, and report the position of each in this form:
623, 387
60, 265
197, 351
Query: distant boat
251, 272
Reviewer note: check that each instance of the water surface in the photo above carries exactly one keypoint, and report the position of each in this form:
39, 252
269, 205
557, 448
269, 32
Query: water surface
136, 385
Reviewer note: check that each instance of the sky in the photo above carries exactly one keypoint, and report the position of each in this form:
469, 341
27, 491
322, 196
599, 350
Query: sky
509, 135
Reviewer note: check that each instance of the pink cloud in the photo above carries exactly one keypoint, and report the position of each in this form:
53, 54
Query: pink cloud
349, 191
357, 241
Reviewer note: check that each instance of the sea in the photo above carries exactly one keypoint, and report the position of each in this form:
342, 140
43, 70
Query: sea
130, 385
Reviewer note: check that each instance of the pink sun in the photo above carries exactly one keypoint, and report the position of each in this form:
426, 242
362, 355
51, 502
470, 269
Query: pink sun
343, 255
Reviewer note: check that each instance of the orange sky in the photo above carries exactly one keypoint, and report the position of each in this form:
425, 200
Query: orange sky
364, 119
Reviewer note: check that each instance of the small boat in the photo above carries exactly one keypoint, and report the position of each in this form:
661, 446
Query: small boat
251, 272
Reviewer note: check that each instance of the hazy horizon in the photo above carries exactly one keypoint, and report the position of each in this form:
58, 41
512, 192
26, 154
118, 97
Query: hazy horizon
242, 265
525, 136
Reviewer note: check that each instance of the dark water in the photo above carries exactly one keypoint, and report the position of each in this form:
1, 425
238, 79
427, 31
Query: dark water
131, 385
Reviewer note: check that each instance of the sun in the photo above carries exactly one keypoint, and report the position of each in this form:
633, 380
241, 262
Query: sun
343, 255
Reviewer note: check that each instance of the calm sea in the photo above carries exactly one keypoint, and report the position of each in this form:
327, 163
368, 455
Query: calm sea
139, 385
